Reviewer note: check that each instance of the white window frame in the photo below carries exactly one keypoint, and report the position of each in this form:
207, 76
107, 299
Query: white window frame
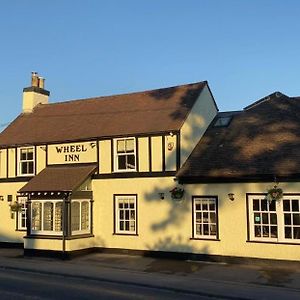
19, 161
42, 231
116, 155
205, 221
279, 206
22, 214
81, 231
118, 220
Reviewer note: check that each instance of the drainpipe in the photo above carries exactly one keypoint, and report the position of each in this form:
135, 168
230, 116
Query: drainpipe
66, 201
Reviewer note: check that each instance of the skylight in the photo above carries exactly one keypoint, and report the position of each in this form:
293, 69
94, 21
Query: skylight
222, 121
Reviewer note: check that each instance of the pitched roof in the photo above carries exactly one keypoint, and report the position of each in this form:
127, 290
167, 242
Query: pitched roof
59, 178
144, 112
260, 142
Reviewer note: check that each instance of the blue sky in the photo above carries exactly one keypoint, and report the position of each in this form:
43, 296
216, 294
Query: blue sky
245, 49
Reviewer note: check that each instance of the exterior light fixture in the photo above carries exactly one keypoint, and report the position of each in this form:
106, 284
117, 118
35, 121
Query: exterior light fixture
231, 196
161, 196
1, 198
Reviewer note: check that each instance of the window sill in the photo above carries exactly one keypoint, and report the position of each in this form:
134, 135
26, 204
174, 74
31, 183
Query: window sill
205, 239
275, 242
21, 230
43, 237
80, 236
125, 234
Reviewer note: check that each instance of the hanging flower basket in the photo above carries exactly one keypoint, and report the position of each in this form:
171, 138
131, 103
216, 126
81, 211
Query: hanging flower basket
15, 207
177, 193
275, 194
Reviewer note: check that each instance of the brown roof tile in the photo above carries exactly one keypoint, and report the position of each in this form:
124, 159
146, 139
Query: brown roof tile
129, 114
59, 178
262, 141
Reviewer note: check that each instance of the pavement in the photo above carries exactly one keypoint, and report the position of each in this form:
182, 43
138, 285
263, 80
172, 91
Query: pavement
261, 280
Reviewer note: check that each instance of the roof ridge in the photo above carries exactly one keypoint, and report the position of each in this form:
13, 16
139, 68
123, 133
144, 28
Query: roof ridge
276, 94
125, 94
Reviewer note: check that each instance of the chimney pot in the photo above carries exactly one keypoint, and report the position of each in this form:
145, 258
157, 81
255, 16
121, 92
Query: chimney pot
41, 82
34, 79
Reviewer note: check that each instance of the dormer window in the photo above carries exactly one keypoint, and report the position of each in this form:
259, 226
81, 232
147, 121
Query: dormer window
125, 154
26, 161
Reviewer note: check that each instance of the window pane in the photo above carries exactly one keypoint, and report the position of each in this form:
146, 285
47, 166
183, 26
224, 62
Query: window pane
286, 205
273, 218
212, 206
272, 206
287, 219
36, 216
198, 229
265, 231
212, 217
265, 218
296, 219
132, 226
58, 216
48, 216
85, 222
198, 217
256, 205
121, 214
75, 216
24, 168
130, 161
274, 231
205, 229
288, 232
132, 215
129, 145
213, 230
296, 232
257, 218
264, 205
30, 167
122, 162
30, 154
121, 146
295, 205
257, 231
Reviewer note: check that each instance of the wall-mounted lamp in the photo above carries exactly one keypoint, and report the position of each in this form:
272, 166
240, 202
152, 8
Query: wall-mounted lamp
1, 198
161, 196
231, 196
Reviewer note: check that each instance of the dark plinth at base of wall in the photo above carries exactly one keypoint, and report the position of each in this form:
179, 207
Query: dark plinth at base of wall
65, 255
163, 255
11, 245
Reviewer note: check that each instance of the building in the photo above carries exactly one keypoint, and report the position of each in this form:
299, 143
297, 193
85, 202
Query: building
157, 172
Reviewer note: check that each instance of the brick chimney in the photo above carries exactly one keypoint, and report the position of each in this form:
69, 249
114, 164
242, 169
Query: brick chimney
35, 94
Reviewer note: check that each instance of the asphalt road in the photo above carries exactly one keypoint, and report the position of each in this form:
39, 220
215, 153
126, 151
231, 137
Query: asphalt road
26, 285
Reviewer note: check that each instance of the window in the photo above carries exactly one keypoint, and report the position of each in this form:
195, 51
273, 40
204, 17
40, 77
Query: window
22, 214
46, 217
125, 156
26, 161
222, 121
80, 216
276, 221
126, 214
205, 217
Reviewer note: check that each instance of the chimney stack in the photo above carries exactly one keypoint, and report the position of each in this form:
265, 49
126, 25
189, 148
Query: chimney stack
35, 94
